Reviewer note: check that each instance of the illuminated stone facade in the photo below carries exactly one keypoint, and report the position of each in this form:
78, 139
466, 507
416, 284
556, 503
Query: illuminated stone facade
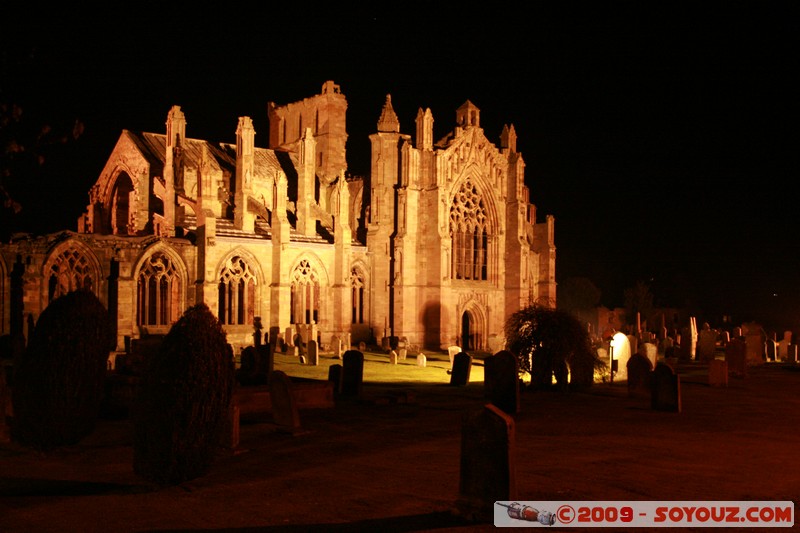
438, 246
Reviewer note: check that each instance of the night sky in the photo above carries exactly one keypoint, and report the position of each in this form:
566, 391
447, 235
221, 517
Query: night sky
661, 135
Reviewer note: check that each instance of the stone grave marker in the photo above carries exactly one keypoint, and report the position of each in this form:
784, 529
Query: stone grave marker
640, 376
501, 381
352, 373
313, 353
335, 376
392, 357
462, 366
402, 353
772, 350
486, 477
649, 350
452, 351
284, 406
666, 395
736, 357
718, 373
266, 361
706, 344
336, 346
422, 360
783, 346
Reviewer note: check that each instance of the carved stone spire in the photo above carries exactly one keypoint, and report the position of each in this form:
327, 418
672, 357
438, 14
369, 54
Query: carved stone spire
388, 122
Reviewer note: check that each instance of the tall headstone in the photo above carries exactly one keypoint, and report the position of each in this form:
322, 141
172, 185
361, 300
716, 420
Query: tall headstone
501, 381
706, 344
783, 346
462, 367
392, 357
666, 395
313, 354
649, 350
284, 406
486, 477
640, 376
352, 373
335, 376
736, 357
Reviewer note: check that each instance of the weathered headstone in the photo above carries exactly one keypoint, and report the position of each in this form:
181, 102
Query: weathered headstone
402, 353
392, 357
706, 344
352, 373
313, 354
666, 395
501, 381
284, 406
266, 360
336, 346
649, 350
736, 357
335, 376
452, 351
640, 376
783, 346
462, 367
718, 373
486, 477
422, 360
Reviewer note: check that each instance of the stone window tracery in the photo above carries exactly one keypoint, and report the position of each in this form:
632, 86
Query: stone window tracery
305, 294
237, 290
69, 272
469, 231
158, 291
358, 286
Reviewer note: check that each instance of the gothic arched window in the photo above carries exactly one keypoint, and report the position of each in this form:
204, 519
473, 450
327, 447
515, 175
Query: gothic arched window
69, 272
157, 291
237, 292
359, 302
305, 294
469, 230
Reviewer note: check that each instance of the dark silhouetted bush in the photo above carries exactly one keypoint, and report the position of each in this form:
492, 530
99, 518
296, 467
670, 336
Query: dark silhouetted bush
550, 342
59, 380
184, 399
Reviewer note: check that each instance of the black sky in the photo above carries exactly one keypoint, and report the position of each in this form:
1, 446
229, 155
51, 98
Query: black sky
661, 135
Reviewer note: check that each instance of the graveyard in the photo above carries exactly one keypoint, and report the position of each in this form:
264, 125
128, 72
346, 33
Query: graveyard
388, 456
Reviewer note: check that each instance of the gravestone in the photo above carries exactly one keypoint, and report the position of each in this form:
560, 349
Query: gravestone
335, 376
402, 353
313, 353
352, 373
452, 351
783, 346
392, 357
501, 381
462, 367
266, 361
422, 360
706, 344
666, 395
486, 477
718, 373
336, 346
736, 357
640, 376
284, 406
362, 346
649, 350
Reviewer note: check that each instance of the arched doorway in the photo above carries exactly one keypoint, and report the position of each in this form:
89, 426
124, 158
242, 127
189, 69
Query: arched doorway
467, 332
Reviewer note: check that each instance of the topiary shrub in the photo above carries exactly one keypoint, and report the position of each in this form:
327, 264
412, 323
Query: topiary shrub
59, 380
183, 401
552, 343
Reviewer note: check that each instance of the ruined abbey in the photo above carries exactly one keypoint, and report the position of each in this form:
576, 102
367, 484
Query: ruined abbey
437, 246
